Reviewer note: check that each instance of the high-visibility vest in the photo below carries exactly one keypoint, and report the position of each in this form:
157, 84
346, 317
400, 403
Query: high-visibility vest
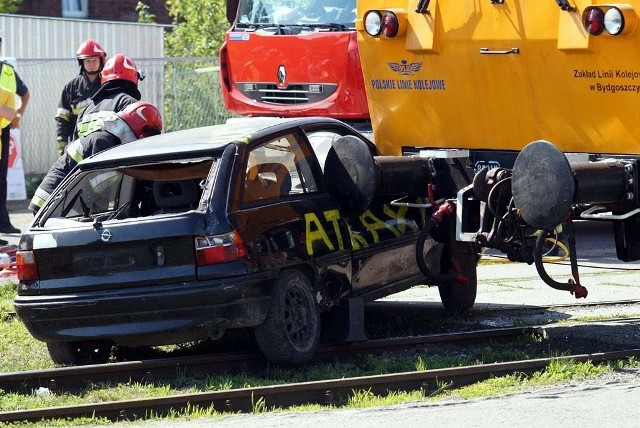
8, 82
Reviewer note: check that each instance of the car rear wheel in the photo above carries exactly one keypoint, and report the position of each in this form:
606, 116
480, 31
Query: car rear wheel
79, 353
459, 259
291, 331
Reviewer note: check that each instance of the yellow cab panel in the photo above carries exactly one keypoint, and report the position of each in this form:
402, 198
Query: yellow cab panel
497, 75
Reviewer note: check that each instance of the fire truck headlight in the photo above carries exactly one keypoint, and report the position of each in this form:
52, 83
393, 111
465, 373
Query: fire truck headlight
614, 21
373, 22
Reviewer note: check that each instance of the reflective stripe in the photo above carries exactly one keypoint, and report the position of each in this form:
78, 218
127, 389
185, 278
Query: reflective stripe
94, 121
103, 114
74, 150
87, 127
40, 196
77, 109
120, 129
36, 202
63, 113
42, 193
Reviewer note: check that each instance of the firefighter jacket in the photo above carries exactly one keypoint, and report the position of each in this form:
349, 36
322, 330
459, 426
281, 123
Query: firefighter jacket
75, 97
10, 81
113, 96
115, 131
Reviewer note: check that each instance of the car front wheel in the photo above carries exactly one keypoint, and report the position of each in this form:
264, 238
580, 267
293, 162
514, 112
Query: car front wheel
291, 331
79, 353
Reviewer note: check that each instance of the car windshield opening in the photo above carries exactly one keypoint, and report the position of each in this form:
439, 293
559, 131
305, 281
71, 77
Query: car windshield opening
328, 15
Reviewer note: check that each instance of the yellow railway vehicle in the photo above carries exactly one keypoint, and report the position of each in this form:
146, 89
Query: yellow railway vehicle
534, 78
498, 74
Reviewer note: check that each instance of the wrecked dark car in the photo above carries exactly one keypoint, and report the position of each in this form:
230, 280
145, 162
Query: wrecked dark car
272, 224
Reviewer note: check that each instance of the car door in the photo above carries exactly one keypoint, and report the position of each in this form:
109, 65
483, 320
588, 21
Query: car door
283, 215
382, 237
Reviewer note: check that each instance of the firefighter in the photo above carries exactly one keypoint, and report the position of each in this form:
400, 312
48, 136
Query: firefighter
78, 91
119, 88
138, 120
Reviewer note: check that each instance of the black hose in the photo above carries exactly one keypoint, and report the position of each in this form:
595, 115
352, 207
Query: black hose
537, 258
422, 238
422, 265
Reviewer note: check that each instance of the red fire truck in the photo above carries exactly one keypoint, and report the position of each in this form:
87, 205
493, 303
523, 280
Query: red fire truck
293, 58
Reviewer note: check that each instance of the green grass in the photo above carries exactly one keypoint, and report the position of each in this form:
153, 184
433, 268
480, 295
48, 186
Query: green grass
7, 293
19, 351
363, 399
558, 371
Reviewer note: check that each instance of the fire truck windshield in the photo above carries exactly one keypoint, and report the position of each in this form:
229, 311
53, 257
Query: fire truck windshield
327, 15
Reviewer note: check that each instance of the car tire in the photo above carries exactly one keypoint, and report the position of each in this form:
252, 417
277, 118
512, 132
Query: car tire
291, 330
459, 258
79, 353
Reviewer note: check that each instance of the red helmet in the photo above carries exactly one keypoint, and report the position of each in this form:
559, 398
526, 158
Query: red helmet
121, 67
143, 118
90, 48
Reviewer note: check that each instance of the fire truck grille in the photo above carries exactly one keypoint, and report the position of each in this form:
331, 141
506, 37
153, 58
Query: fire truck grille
295, 93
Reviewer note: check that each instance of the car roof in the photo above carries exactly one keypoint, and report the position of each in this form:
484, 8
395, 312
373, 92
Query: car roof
186, 143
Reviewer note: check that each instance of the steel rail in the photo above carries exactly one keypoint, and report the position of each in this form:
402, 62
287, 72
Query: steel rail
321, 392
626, 302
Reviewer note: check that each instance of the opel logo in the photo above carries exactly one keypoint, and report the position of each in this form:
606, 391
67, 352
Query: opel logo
282, 74
106, 235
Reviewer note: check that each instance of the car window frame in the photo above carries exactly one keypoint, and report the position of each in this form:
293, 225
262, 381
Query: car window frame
79, 175
306, 151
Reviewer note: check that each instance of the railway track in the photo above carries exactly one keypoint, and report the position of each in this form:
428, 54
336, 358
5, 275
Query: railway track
152, 370
74, 378
67, 379
327, 392
322, 392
